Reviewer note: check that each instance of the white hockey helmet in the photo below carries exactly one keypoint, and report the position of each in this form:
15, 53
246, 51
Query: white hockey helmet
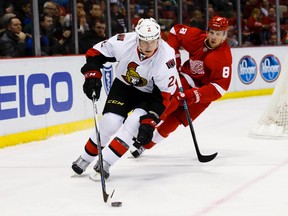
148, 29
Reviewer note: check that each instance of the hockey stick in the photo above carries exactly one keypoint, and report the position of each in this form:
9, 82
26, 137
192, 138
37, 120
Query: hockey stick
201, 158
100, 156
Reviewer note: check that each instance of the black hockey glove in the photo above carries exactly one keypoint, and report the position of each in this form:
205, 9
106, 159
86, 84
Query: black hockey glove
147, 126
92, 83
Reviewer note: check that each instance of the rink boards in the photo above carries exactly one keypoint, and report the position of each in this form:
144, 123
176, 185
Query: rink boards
42, 97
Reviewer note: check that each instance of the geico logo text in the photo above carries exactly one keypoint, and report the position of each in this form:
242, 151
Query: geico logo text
35, 94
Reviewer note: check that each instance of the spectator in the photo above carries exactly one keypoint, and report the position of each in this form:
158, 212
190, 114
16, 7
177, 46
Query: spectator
149, 13
12, 42
197, 20
46, 26
24, 14
6, 7
53, 9
249, 6
244, 29
3, 21
211, 12
92, 36
49, 44
167, 9
103, 6
94, 14
49, 8
134, 17
187, 7
231, 37
269, 27
168, 12
264, 7
223, 6
255, 25
81, 19
66, 43
118, 20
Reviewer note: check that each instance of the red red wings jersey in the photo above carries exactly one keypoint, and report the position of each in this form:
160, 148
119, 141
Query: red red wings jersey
207, 69
136, 70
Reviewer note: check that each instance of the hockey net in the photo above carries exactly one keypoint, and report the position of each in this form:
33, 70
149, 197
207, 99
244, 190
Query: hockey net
274, 121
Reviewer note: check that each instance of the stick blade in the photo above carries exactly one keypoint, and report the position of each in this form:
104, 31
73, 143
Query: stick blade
207, 158
108, 198
105, 196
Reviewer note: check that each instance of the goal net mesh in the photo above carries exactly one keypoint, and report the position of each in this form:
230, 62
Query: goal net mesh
274, 121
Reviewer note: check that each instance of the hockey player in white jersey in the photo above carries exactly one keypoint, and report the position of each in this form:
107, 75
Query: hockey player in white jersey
145, 80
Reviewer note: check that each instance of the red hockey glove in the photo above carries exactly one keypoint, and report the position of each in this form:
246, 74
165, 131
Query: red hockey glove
147, 126
191, 96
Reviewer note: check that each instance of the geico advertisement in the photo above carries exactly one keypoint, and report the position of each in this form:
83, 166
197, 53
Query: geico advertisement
35, 94
40, 92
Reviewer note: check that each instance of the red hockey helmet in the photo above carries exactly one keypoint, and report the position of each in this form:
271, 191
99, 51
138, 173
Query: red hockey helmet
218, 23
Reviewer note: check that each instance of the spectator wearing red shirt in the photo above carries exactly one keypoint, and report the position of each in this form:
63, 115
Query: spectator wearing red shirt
269, 27
254, 23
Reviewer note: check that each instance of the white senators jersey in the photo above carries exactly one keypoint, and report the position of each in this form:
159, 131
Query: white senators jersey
137, 70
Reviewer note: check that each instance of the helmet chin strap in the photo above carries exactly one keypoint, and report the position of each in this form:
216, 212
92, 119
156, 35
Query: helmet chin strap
142, 56
206, 42
140, 50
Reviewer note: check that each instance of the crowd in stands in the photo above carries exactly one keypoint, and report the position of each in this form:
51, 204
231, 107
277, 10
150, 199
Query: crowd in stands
258, 22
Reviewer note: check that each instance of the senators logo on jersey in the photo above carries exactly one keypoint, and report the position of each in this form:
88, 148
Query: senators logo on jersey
132, 77
171, 63
120, 37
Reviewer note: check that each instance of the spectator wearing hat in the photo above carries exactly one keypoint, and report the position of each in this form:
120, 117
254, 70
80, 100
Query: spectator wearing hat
3, 21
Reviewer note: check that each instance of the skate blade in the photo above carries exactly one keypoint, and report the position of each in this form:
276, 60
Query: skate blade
96, 177
75, 175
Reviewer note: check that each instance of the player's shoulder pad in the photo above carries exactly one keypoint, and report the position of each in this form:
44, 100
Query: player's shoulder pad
124, 36
167, 55
179, 28
120, 37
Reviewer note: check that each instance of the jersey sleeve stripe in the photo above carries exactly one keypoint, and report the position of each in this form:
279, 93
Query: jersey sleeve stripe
189, 80
219, 89
172, 31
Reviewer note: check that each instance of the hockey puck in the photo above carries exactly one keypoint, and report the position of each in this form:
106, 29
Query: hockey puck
116, 204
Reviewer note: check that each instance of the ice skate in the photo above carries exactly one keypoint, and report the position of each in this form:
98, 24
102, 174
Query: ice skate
96, 176
80, 165
136, 152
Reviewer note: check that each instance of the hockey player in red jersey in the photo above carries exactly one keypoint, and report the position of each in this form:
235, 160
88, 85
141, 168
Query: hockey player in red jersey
145, 82
205, 76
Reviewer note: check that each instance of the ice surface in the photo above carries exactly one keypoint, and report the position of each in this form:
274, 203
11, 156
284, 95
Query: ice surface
248, 177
